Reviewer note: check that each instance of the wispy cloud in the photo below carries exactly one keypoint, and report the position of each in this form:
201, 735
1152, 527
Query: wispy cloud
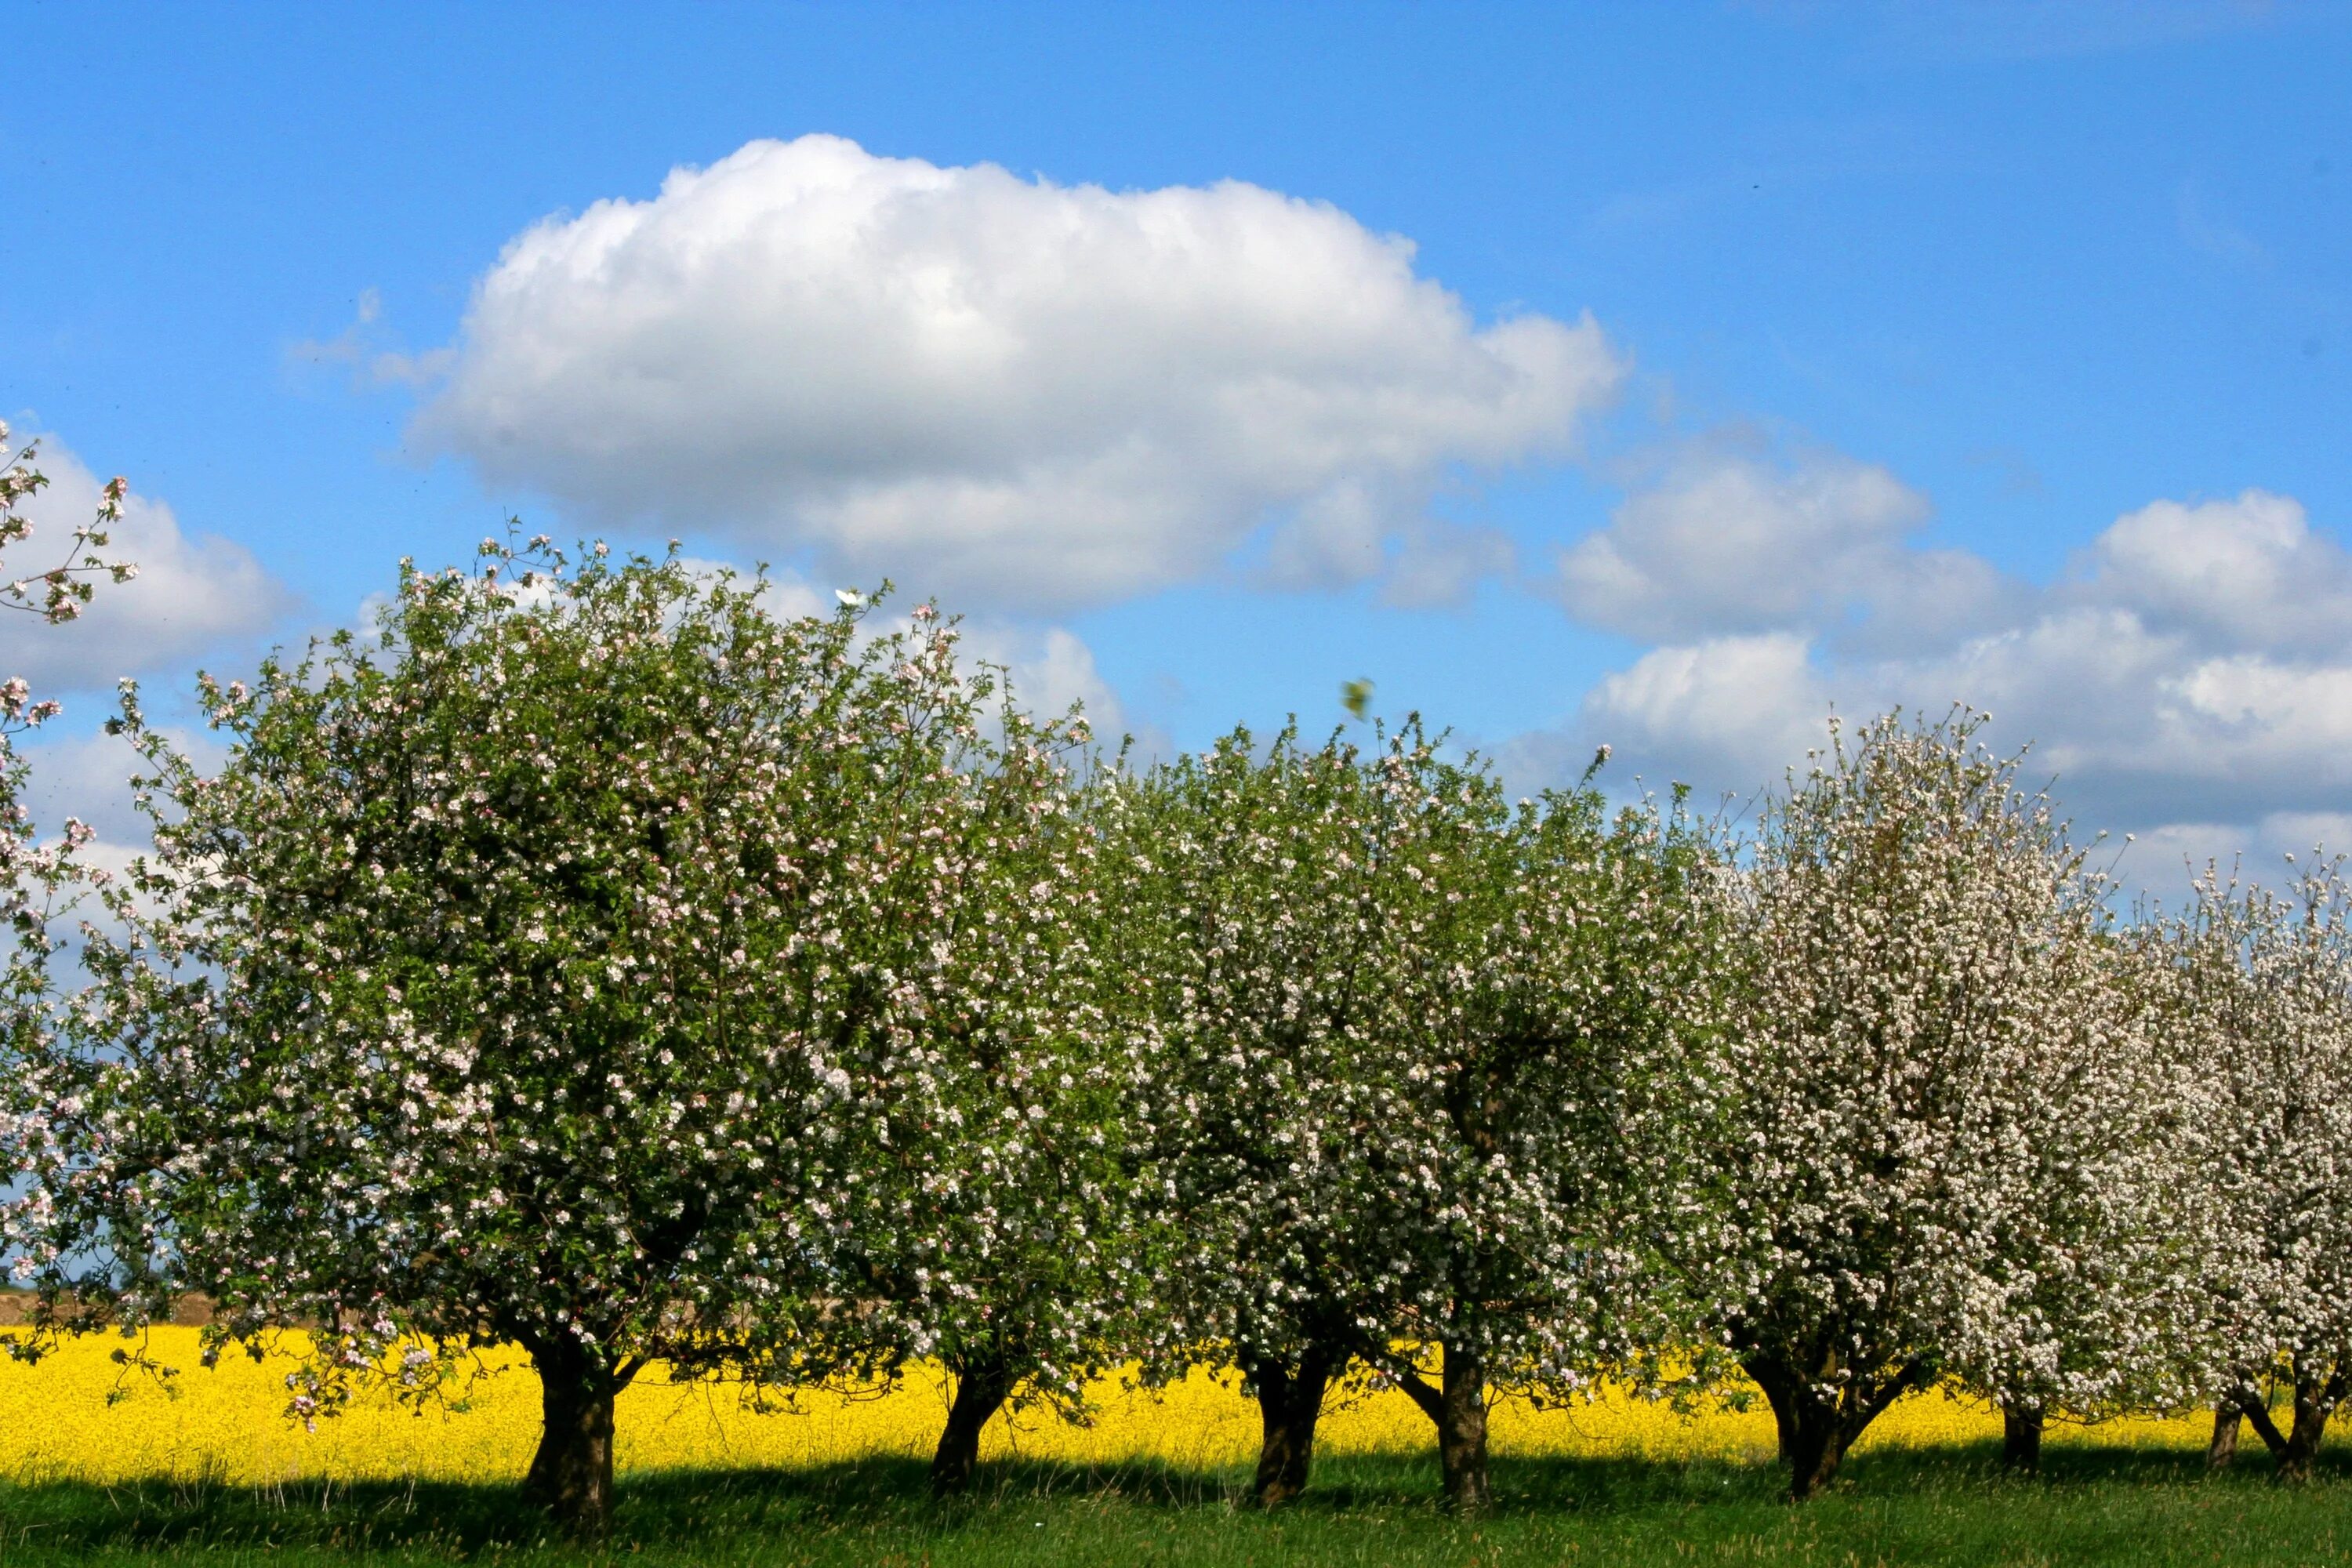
360, 350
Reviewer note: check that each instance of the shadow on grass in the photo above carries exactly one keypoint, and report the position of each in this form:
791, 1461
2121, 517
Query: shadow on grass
889, 1497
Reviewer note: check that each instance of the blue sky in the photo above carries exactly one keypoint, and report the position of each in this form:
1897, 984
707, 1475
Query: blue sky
1901, 320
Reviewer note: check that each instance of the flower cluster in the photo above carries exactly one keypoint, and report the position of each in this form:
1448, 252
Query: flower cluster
57, 595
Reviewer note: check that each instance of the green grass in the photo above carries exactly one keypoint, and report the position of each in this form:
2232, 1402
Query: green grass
1953, 1507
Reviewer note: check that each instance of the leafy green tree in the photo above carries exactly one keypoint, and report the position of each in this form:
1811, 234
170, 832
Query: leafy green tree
1398, 1030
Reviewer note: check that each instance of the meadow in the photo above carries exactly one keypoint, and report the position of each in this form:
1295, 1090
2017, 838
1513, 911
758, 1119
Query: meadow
214, 1470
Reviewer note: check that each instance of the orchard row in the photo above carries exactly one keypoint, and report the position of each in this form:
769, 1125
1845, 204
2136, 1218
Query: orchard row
594, 960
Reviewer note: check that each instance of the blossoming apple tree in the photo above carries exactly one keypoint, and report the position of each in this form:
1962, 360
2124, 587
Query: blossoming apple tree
2261, 984
1919, 971
41, 884
538, 971
2098, 1269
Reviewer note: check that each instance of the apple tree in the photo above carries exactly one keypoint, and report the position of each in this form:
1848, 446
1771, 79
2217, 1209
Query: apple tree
1399, 1030
538, 970
1916, 964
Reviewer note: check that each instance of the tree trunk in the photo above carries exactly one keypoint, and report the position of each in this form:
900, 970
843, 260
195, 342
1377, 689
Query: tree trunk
982, 1385
2020, 1439
1784, 1419
2227, 1420
2295, 1448
1289, 1402
1815, 1444
1808, 1426
1462, 1431
1816, 1433
1458, 1407
2311, 1412
571, 1476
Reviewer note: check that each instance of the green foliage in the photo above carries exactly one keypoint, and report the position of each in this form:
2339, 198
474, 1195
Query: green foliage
1402, 1044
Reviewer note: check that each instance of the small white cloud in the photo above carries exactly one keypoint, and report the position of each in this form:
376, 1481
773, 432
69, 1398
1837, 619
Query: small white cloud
1028, 395
360, 348
89, 776
1709, 712
1051, 669
2247, 572
2207, 231
1735, 542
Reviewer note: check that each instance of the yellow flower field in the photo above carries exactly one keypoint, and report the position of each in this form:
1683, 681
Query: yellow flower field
55, 1423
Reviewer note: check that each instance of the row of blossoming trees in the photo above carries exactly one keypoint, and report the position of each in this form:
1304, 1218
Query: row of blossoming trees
596, 961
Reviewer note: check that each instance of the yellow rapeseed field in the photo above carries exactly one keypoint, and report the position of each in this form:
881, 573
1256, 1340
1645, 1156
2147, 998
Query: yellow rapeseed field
226, 1423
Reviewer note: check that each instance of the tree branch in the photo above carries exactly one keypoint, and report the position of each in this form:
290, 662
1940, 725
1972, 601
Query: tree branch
1402, 1372
2257, 1412
1914, 1372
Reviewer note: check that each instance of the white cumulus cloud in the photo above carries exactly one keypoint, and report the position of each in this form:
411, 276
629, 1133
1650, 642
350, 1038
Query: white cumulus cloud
1713, 709
2247, 571
1030, 396
2189, 676
1050, 669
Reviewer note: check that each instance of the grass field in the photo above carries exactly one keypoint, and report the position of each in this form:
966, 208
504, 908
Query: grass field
1946, 1506
216, 1475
